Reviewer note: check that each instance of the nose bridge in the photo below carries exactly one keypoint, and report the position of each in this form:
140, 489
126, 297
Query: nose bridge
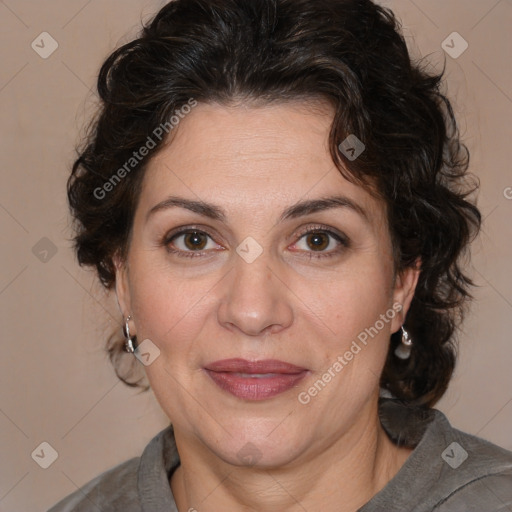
255, 300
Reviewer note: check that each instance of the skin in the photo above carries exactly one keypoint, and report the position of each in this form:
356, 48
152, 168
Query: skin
290, 304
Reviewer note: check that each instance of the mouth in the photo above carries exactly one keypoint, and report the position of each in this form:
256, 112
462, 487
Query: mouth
255, 380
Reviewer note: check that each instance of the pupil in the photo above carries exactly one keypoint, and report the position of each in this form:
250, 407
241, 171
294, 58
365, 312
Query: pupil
195, 241
318, 241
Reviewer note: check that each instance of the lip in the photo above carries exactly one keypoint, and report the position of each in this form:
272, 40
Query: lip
244, 366
255, 380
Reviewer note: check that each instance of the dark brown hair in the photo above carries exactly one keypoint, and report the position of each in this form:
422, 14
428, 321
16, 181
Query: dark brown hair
349, 52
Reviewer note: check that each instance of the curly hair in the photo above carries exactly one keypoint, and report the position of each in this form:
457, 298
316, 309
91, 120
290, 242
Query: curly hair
348, 52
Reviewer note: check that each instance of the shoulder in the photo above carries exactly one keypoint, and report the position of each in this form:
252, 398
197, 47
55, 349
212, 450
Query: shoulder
478, 475
490, 493
448, 470
116, 489
133, 486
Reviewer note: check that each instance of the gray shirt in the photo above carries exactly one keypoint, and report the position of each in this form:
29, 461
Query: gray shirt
448, 471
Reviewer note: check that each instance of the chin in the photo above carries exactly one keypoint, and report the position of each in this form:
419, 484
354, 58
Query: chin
252, 442
259, 454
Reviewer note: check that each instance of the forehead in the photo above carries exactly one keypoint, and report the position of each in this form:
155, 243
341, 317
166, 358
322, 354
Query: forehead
268, 156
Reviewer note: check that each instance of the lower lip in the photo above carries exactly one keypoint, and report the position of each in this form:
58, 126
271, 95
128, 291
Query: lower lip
256, 388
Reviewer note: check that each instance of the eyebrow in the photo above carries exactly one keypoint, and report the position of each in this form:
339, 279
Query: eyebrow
317, 205
299, 209
201, 207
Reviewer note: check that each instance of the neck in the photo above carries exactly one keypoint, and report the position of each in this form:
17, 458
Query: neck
342, 478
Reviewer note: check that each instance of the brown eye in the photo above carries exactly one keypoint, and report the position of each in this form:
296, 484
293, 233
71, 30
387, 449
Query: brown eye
317, 241
190, 241
195, 240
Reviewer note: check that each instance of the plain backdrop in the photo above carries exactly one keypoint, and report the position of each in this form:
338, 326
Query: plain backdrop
56, 383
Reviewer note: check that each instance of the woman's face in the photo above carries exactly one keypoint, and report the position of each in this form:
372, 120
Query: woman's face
248, 244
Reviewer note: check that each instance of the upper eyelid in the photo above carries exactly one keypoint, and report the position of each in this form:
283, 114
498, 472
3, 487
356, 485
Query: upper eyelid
187, 229
188, 232
321, 229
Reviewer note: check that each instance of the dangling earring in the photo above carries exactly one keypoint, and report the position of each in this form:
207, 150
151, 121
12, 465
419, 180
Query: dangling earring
131, 341
403, 351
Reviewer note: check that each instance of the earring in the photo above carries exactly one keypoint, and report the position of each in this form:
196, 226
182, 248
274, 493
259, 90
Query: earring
403, 351
131, 341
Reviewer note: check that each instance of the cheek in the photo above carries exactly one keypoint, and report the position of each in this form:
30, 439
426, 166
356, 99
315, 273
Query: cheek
350, 300
168, 306
169, 309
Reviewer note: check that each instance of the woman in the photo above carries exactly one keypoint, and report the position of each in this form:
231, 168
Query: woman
279, 198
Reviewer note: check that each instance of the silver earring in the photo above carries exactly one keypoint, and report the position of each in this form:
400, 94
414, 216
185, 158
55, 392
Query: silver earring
403, 351
129, 344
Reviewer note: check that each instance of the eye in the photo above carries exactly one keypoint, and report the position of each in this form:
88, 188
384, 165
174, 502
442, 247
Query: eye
317, 241
322, 241
190, 241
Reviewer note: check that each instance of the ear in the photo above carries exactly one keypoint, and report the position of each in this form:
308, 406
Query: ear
122, 285
403, 292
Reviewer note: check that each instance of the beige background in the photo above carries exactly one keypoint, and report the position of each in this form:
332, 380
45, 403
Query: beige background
56, 383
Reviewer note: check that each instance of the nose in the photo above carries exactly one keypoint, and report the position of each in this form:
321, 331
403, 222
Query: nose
255, 300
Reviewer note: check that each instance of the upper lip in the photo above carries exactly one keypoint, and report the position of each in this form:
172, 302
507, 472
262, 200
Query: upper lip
244, 366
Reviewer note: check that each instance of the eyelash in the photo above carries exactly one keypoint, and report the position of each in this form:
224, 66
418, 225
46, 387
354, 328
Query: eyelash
311, 230
343, 242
